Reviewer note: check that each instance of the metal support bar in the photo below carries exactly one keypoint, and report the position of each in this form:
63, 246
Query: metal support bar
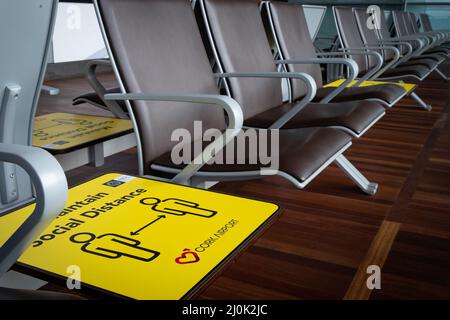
82, 157
351, 65
421, 102
440, 73
356, 176
306, 78
97, 155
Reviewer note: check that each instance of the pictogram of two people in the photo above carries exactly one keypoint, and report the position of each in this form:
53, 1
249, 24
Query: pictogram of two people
114, 246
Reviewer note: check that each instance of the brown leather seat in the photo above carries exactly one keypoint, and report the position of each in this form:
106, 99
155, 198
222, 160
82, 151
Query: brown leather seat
356, 116
291, 31
440, 52
430, 63
302, 152
164, 53
348, 20
390, 93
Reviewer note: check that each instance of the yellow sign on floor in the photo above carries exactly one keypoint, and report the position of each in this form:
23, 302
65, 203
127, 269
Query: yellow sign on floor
142, 239
409, 87
63, 132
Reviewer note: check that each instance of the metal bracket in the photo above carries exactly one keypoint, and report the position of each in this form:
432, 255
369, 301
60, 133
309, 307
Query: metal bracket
8, 179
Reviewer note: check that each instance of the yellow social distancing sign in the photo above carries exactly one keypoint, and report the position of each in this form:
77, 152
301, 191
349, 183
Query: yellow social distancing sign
141, 238
62, 132
409, 87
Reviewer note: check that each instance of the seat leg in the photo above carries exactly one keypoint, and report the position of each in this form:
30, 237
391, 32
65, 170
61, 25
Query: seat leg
198, 183
421, 102
443, 76
357, 177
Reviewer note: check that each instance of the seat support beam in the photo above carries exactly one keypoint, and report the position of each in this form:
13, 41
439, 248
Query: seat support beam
356, 176
443, 76
422, 103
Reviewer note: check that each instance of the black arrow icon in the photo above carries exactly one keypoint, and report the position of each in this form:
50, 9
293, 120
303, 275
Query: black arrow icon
135, 233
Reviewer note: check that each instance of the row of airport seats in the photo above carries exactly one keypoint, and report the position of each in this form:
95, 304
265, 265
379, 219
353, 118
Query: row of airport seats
167, 83
374, 63
432, 44
235, 32
246, 64
391, 58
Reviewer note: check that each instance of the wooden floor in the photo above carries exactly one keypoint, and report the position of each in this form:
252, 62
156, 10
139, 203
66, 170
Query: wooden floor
330, 232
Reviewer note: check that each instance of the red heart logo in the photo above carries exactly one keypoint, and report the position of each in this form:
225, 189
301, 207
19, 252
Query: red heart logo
187, 256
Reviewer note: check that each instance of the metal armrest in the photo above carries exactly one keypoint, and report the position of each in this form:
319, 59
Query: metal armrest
436, 38
229, 105
365, 51
100, 90
388, 65
404, 57
404, 40
350, 63
51, 192
432, 39
426, 39
306, 78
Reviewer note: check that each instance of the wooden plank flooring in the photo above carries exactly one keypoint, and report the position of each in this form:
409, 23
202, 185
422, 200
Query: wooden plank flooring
330, 232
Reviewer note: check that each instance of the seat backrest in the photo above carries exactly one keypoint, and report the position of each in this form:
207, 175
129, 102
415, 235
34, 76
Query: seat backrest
408, 23
291, 33
368, 35
386, 35
384, 32
413, 21
403, 26
425, 21
241, 43
349, 35
26, 28
156, 48
400, 23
